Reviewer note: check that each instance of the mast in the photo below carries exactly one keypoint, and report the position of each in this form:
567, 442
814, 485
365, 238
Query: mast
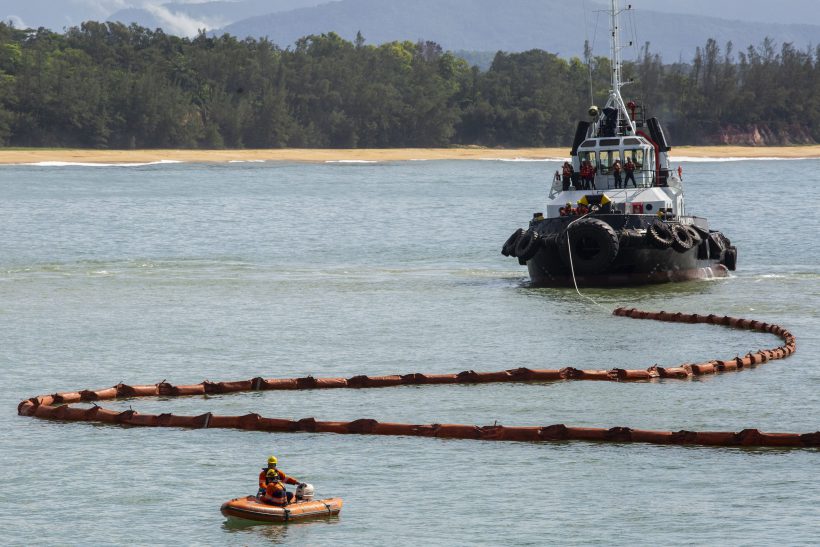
615, 54
615, 101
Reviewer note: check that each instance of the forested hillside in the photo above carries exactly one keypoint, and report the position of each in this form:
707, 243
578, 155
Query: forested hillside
111, 86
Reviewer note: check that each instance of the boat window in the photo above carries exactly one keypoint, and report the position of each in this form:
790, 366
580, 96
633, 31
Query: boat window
589, 143
637, 156
588, 156
632, 140
605, 159
610, 142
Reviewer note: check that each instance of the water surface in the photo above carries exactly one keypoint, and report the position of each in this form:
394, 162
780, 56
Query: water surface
188, 272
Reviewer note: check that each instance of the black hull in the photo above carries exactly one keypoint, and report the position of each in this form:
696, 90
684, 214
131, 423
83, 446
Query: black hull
632, 267
634, 258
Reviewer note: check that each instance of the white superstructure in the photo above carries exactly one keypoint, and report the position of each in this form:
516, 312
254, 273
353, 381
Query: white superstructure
620, 132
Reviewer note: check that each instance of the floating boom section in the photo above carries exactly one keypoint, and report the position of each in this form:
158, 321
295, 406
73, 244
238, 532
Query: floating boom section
58, 405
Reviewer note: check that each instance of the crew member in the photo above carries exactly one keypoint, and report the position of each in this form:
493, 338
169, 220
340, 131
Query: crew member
271, 471
275, 493
629, 167
566, 176
582, 209
588, 175
616, 172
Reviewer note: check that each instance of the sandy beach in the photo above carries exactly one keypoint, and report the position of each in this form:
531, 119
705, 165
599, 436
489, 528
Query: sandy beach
40, 155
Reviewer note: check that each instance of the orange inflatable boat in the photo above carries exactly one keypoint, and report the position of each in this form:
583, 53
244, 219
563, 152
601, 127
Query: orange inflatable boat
252, 508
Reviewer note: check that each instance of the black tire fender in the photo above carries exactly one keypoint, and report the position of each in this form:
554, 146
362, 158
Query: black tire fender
549, 241
527, 245
681, 238
659, 234
508, 249
730, 258
592, 243
696, 239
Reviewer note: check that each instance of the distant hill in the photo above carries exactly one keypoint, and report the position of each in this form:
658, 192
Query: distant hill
176, 16
557, 26
801, 12
181, 16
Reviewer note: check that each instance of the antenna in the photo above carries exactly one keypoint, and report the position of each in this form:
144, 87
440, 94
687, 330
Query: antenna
615, 99
588, 51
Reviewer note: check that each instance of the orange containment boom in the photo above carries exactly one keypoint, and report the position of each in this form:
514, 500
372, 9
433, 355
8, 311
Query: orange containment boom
57, 406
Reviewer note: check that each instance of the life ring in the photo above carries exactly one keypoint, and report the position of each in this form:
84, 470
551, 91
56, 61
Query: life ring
593, 245
659, 234
527, 245
508, 249
681, 238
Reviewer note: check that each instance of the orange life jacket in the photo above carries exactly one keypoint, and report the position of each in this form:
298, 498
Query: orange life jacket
275, 493
263, 478
567, 170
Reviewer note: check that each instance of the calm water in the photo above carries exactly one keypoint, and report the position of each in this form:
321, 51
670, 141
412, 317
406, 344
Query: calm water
192, 272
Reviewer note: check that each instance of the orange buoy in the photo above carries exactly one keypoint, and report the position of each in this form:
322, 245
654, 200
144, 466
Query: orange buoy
252, 508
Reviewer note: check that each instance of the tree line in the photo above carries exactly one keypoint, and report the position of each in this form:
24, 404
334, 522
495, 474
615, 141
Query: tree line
107, 85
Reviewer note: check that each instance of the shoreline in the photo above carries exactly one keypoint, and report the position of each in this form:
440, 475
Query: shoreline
301, 155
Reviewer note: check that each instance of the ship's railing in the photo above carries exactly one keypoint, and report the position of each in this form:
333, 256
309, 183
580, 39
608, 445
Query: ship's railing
644, 178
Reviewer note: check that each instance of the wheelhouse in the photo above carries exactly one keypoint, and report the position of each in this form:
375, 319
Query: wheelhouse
601, 153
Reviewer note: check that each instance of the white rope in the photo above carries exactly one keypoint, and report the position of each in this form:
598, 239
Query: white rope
572, 267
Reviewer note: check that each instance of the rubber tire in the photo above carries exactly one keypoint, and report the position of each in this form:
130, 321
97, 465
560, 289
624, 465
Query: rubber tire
681, 238
696, 239
730, 258
601, 234
659, 235
508, 249
549, 241
527, 245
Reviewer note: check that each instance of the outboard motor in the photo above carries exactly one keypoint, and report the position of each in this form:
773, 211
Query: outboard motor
304, 493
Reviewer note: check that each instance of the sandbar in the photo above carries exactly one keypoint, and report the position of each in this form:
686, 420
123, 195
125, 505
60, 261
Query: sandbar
63, 155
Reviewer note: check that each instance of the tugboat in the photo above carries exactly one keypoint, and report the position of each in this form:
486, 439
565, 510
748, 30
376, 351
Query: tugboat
596, 230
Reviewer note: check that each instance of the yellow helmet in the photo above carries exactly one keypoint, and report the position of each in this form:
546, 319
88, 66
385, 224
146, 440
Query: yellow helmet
272, 460
272, 473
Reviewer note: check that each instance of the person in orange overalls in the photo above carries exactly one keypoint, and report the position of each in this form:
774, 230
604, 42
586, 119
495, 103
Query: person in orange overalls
566, 176
616, 172
588, 175
629, 167
272, 484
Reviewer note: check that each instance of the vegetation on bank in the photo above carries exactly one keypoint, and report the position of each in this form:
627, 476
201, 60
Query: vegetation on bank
106, 85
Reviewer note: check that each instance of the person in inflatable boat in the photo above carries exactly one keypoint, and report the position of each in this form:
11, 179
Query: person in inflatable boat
272, 484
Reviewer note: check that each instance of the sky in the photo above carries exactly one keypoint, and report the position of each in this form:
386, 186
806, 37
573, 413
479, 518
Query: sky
60, 14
